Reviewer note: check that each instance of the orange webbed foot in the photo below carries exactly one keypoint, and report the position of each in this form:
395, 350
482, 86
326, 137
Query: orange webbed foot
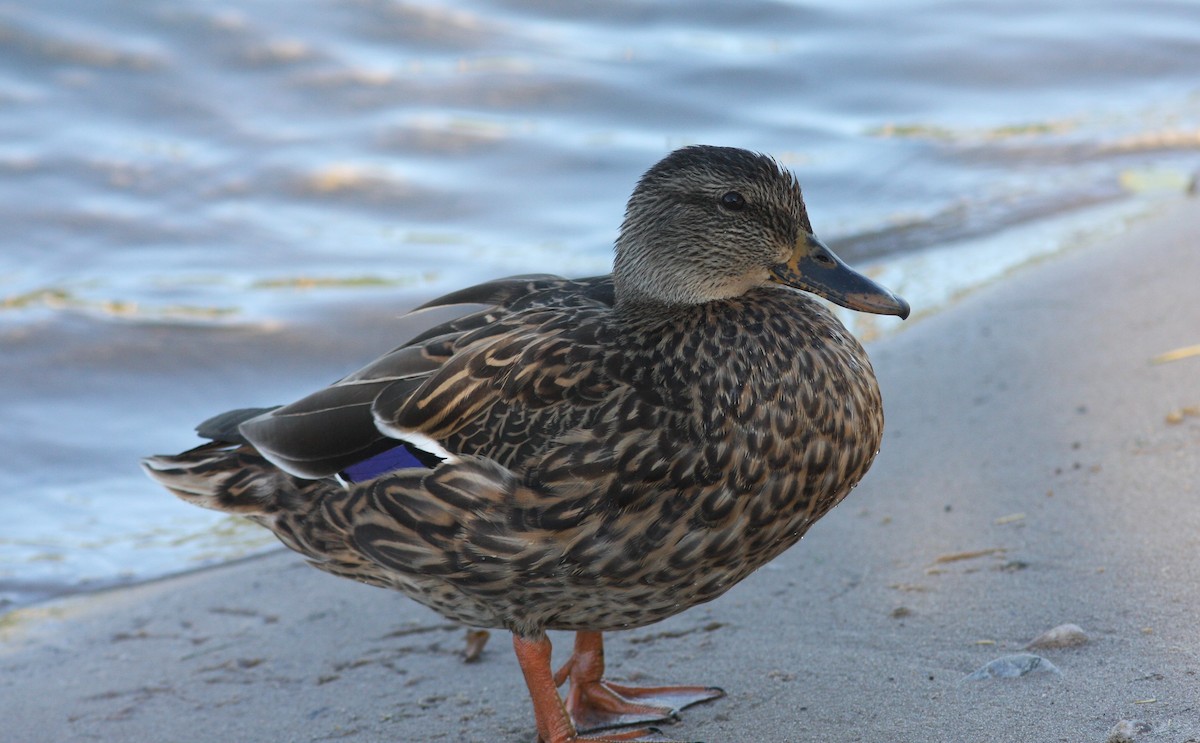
595, 704
641, 735
553, 723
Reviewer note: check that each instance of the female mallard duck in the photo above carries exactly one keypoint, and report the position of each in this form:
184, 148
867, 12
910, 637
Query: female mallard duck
585, 455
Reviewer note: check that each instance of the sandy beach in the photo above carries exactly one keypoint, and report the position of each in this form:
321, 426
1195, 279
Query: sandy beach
1039, 468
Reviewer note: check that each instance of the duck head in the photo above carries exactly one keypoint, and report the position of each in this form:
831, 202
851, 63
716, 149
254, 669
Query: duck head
710, 223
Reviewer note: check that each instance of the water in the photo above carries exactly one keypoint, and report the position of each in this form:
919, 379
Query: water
213, 205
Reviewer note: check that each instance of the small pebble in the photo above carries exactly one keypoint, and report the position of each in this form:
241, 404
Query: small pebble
1012, 566
1013, 666
1062, 636
1126, 730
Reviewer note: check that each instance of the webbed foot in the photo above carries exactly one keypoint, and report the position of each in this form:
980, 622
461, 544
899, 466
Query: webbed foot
595, 704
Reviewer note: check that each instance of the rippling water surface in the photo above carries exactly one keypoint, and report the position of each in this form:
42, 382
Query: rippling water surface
208, 205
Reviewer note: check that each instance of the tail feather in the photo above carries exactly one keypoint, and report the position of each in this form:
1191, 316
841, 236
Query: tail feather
236, 479
231, 478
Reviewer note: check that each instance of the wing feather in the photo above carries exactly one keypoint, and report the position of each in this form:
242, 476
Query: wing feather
438, 370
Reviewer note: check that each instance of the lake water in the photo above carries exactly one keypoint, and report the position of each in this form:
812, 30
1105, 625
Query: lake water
209, 205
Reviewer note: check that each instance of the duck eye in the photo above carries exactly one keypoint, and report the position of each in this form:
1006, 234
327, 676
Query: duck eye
733, 201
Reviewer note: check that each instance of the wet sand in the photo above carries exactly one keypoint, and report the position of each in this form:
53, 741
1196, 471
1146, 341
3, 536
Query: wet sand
1038, 469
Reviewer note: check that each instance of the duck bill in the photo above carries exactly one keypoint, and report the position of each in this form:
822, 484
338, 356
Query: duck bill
815, 268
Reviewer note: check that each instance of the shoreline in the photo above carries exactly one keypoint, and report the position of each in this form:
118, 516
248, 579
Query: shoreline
1029, 477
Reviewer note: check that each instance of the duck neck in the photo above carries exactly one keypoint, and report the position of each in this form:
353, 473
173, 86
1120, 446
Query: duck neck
638, 310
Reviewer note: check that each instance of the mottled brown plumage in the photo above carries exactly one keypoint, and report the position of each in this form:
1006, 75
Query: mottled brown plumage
613, 450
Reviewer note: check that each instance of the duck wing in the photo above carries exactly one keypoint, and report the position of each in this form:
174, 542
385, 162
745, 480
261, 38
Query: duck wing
326, 432
510, 389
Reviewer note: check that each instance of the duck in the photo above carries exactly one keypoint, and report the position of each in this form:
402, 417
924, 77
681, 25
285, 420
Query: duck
589, 455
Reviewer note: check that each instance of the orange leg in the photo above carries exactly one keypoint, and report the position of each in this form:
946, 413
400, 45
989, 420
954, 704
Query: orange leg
595, 704
553, 724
